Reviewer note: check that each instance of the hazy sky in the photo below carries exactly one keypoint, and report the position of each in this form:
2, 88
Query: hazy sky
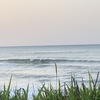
47, 22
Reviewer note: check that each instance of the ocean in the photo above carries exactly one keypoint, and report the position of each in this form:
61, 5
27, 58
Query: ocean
35, 65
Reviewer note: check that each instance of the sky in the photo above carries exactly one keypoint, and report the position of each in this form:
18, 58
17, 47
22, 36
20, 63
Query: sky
49, 22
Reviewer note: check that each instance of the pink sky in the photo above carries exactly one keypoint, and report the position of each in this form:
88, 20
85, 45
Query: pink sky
49, 22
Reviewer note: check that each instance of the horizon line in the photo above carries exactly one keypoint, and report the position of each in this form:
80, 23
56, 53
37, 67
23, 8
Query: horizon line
50, 45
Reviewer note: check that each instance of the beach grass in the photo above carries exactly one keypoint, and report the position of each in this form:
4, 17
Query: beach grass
74, 91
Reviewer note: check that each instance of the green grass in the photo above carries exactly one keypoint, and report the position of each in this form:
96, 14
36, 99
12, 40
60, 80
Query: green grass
18, 94
74, 91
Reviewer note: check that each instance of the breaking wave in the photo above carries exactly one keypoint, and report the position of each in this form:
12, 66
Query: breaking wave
37, 61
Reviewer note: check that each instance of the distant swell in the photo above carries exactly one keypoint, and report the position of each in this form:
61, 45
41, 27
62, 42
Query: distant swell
37, 61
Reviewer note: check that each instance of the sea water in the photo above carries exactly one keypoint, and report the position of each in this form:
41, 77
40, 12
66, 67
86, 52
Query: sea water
35, 65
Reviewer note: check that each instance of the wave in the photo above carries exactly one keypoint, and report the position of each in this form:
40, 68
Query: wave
16, 60
44, 61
